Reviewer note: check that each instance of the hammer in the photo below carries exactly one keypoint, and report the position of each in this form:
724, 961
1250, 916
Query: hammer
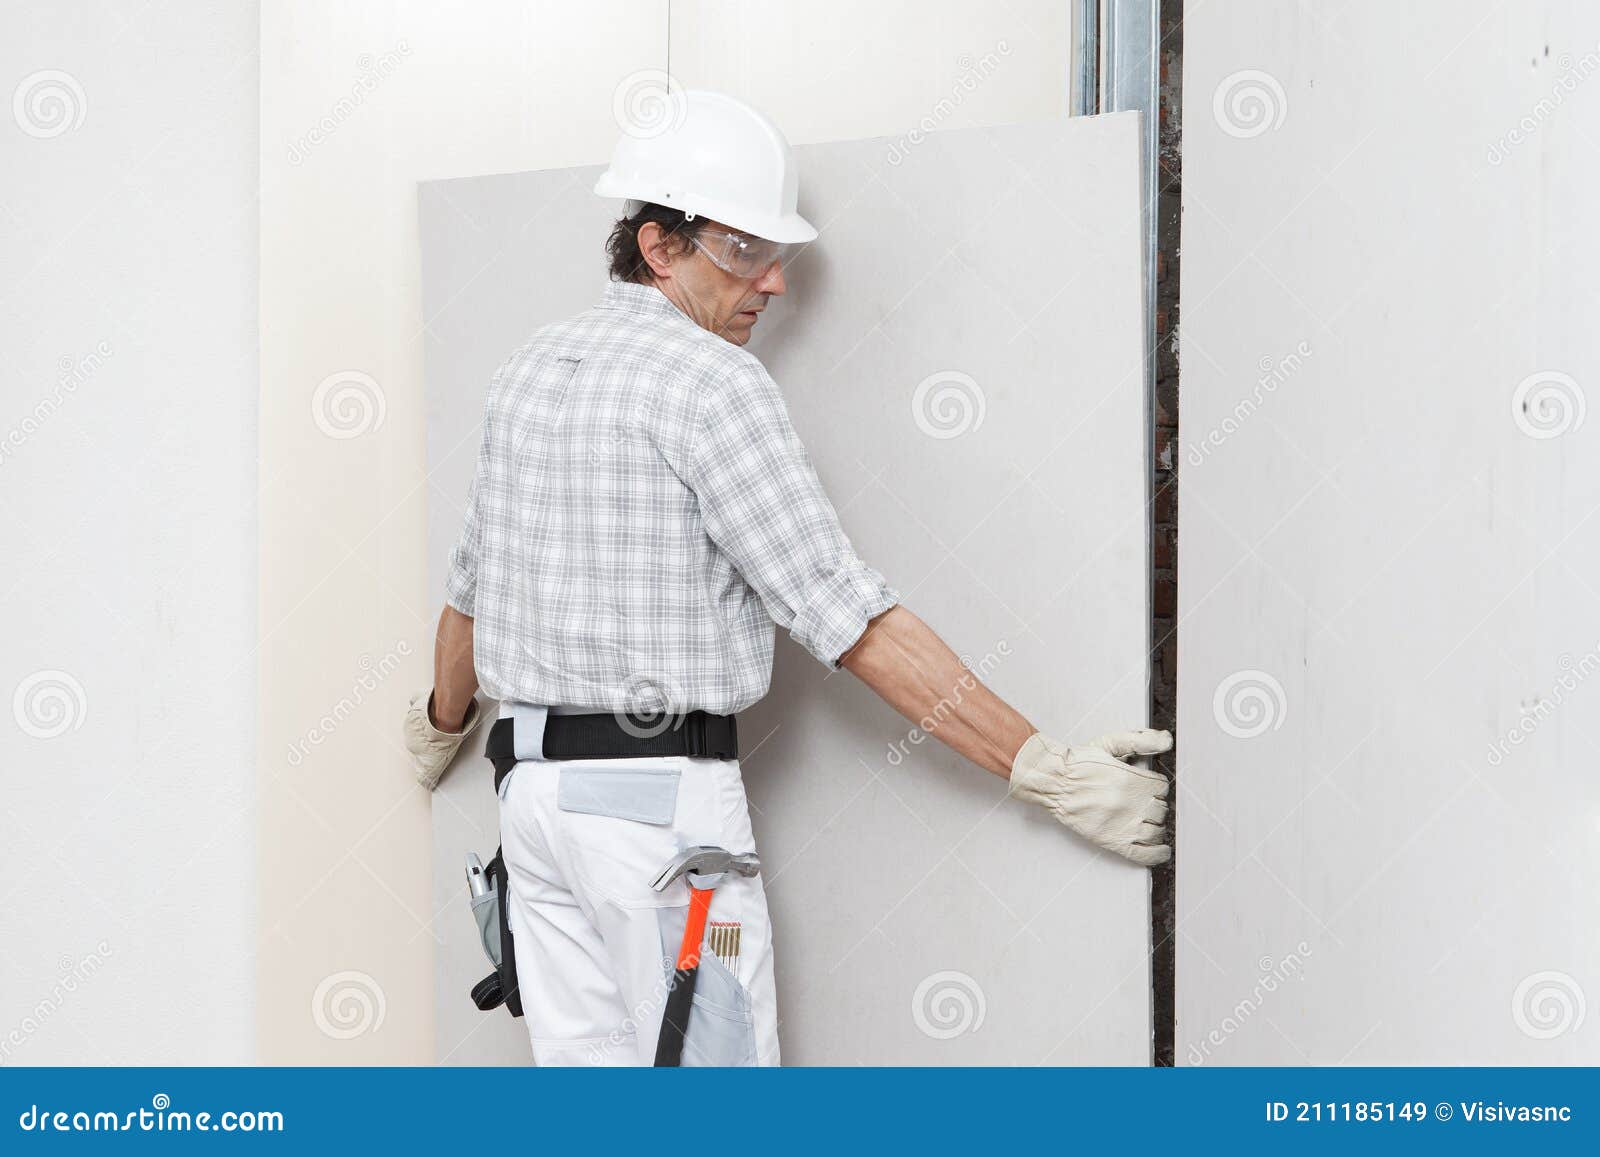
705, 868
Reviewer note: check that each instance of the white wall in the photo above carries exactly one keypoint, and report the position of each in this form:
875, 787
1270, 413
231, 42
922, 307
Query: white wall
127, 460
1383, 570
395, 93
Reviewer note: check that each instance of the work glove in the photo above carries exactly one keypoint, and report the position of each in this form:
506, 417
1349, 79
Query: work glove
1116, 805
431, 749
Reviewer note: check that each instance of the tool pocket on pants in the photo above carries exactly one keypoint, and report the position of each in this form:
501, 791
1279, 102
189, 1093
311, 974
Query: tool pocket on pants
617, 828
486, 912
722, 1026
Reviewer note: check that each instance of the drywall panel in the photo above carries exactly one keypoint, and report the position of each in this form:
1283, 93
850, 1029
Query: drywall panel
359, 102
128, 404
1388, 612
961, 355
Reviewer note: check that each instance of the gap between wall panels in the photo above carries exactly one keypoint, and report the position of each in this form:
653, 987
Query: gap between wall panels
1164, 506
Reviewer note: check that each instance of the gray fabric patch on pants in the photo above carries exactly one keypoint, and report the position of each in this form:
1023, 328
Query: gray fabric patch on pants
722, 1029
646, 794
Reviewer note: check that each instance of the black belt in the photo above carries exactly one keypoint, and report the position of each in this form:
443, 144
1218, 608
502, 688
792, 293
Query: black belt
698, 734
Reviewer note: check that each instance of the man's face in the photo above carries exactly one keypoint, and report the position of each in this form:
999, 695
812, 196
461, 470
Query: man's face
714, 299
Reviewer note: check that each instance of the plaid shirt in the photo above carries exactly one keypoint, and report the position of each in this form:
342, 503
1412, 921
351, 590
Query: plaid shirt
642, 514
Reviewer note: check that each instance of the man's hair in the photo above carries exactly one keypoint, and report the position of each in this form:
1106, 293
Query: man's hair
627, 262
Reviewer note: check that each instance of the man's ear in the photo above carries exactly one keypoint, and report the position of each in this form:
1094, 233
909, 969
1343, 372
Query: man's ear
655, 246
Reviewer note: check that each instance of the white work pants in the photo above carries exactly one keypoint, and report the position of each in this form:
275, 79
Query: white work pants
582, 841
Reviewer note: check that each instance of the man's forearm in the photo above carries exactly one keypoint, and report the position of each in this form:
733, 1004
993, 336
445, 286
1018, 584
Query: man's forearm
915, 672
455, 680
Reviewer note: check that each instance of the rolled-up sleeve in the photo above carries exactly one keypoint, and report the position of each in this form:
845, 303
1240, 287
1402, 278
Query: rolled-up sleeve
461, 584
764, 507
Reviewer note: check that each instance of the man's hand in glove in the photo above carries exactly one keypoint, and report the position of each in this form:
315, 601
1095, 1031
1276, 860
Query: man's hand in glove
432, 749
1108, 802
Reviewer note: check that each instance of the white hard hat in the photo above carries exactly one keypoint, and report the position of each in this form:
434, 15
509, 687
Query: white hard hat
715, 157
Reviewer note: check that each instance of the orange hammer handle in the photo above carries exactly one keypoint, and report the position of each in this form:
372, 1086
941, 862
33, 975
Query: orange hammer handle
694, 928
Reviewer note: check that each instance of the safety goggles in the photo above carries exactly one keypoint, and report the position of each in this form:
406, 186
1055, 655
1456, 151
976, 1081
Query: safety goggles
739, 253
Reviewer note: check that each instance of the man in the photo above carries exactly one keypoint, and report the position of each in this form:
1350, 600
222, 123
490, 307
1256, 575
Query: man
642, 515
